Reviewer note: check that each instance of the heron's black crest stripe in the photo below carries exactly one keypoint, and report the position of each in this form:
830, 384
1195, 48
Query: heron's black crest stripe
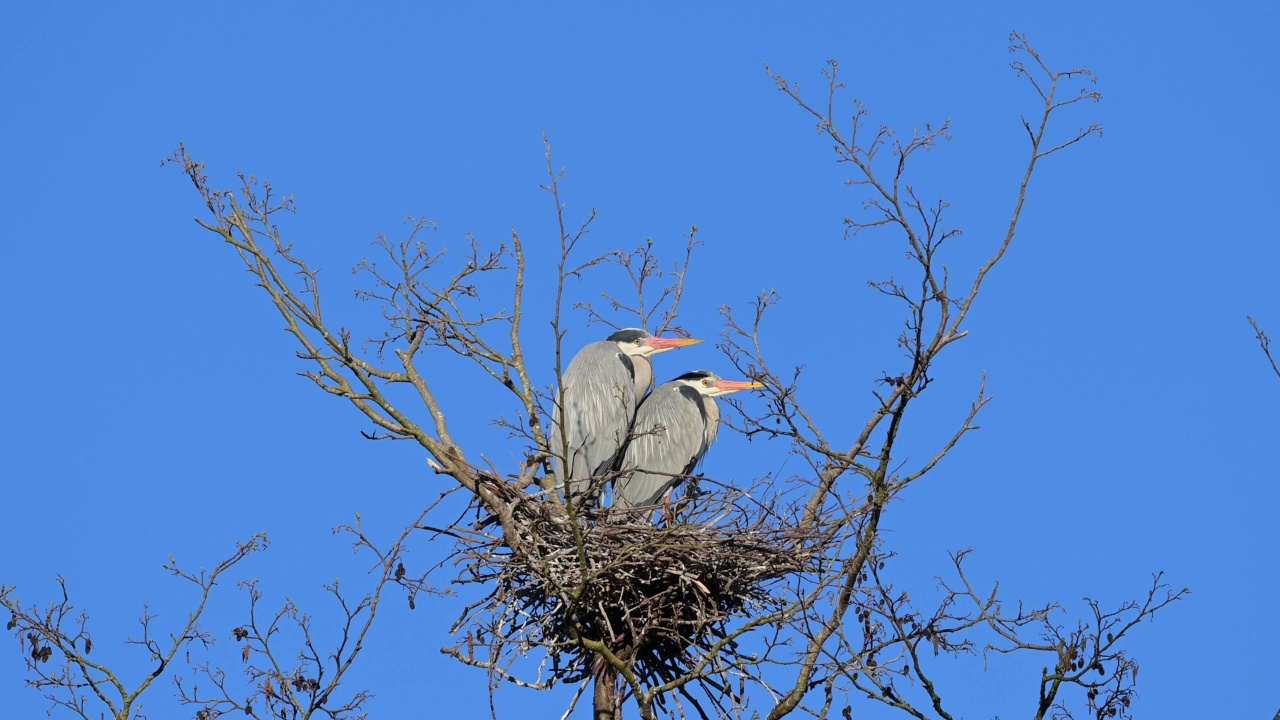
629, 365
696, 375
628, 335
695, 397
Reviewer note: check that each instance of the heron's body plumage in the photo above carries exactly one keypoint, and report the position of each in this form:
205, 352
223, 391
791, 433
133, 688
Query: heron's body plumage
673, 429
596, 404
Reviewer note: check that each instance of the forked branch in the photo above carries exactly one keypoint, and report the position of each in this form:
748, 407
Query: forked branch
90, 689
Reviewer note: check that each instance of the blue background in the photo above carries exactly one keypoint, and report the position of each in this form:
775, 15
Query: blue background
151, 405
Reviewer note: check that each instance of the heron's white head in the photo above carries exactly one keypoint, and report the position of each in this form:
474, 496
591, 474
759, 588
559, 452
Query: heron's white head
712, 385
637, 341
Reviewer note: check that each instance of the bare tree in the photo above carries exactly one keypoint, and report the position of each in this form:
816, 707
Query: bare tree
758, 601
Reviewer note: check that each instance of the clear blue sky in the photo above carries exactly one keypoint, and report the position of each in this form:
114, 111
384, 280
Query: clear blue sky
151, 405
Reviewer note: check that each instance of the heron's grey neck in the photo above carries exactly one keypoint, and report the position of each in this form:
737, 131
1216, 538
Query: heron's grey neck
712, 409
643, 375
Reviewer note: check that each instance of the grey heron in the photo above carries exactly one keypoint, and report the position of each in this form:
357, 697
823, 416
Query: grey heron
598, 396
674, 426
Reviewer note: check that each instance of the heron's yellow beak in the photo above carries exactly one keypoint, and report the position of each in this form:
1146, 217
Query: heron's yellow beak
728, 386
663, 344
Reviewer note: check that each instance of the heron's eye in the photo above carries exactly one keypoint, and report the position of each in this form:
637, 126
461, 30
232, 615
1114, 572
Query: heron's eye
706, 383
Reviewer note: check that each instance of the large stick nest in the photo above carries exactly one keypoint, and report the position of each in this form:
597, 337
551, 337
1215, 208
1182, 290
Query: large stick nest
657, 597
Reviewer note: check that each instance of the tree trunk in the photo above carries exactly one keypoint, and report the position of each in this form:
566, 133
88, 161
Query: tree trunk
606, 693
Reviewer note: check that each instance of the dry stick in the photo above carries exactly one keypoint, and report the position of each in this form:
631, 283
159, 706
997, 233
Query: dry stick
1265, 343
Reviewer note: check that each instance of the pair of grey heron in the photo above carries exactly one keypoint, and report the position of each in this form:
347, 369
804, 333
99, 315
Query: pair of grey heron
603, 421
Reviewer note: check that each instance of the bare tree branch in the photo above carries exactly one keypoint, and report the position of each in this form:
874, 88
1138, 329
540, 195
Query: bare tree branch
1265, 343
90, 689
